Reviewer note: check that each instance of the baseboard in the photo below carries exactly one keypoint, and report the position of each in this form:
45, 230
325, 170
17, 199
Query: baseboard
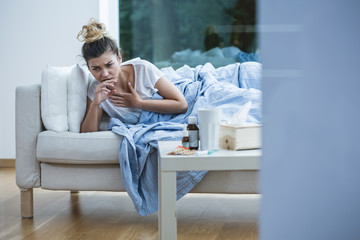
7, 163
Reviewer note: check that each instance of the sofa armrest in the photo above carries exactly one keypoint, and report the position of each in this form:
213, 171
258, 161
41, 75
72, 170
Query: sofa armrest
28, 126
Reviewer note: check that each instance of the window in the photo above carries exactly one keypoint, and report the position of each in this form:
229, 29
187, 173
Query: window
192, 32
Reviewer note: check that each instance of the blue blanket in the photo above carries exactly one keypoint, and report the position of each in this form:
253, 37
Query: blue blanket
203, 86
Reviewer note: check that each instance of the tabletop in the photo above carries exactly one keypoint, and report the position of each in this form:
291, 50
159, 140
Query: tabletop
222, 159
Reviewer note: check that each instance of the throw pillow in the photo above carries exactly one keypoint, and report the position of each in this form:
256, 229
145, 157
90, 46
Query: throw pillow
54, 97
77, 97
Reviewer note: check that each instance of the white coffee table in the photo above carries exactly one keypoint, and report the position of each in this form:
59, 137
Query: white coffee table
169, 164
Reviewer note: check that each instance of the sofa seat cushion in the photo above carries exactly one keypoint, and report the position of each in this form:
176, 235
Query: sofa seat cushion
78, 148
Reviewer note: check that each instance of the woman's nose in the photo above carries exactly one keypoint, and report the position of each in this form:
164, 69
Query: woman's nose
105, 73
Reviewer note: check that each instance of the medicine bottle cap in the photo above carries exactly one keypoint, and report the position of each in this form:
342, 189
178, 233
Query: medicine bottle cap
192, 120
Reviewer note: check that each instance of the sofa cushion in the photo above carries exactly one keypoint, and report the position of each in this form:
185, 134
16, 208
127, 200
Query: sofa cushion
229, 181
100, 177
108, 178
78, 148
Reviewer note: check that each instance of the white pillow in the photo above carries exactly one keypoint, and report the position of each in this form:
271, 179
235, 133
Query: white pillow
54, 97
77, 97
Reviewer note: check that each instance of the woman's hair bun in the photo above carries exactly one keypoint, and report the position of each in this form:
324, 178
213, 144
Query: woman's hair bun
92, 32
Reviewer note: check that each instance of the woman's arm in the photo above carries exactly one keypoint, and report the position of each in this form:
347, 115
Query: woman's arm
92, 118
93, 113
173, 102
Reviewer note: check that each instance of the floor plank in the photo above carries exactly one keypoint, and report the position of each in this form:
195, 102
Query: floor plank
111, 215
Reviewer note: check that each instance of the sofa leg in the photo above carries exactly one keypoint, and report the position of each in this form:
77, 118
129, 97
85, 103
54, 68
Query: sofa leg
27, 203
74, 191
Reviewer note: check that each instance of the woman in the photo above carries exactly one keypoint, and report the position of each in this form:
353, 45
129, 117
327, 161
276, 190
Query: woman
122, 90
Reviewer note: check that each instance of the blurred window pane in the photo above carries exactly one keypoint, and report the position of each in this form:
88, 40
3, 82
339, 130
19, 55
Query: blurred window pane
192, 32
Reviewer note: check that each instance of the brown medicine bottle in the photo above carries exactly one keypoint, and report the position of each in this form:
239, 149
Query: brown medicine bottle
193, 133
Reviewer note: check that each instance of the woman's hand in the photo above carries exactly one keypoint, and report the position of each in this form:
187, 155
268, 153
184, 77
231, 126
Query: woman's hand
103, 91
128, 100
173, 101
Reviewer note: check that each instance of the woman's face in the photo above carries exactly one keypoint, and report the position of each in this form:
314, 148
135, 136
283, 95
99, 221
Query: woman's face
105, 67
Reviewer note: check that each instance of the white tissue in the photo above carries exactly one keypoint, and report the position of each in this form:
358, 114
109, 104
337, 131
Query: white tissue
239, 118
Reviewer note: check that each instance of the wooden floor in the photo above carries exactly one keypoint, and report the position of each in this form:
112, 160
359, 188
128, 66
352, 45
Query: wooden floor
108, 215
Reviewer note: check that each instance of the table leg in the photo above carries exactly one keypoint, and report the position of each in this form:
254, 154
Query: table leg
167, 205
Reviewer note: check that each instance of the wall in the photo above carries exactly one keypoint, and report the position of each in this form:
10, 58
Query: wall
35, 33
311, 156
109, 15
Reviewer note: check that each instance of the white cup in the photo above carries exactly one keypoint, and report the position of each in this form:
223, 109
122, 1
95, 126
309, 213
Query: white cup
209, 128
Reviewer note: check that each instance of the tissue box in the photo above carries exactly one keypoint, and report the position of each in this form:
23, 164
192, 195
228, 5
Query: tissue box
240, 137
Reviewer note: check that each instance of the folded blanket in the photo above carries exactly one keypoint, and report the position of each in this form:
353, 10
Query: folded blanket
138, 152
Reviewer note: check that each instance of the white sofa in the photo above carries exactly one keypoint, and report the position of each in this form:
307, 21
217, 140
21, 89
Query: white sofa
84, 161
